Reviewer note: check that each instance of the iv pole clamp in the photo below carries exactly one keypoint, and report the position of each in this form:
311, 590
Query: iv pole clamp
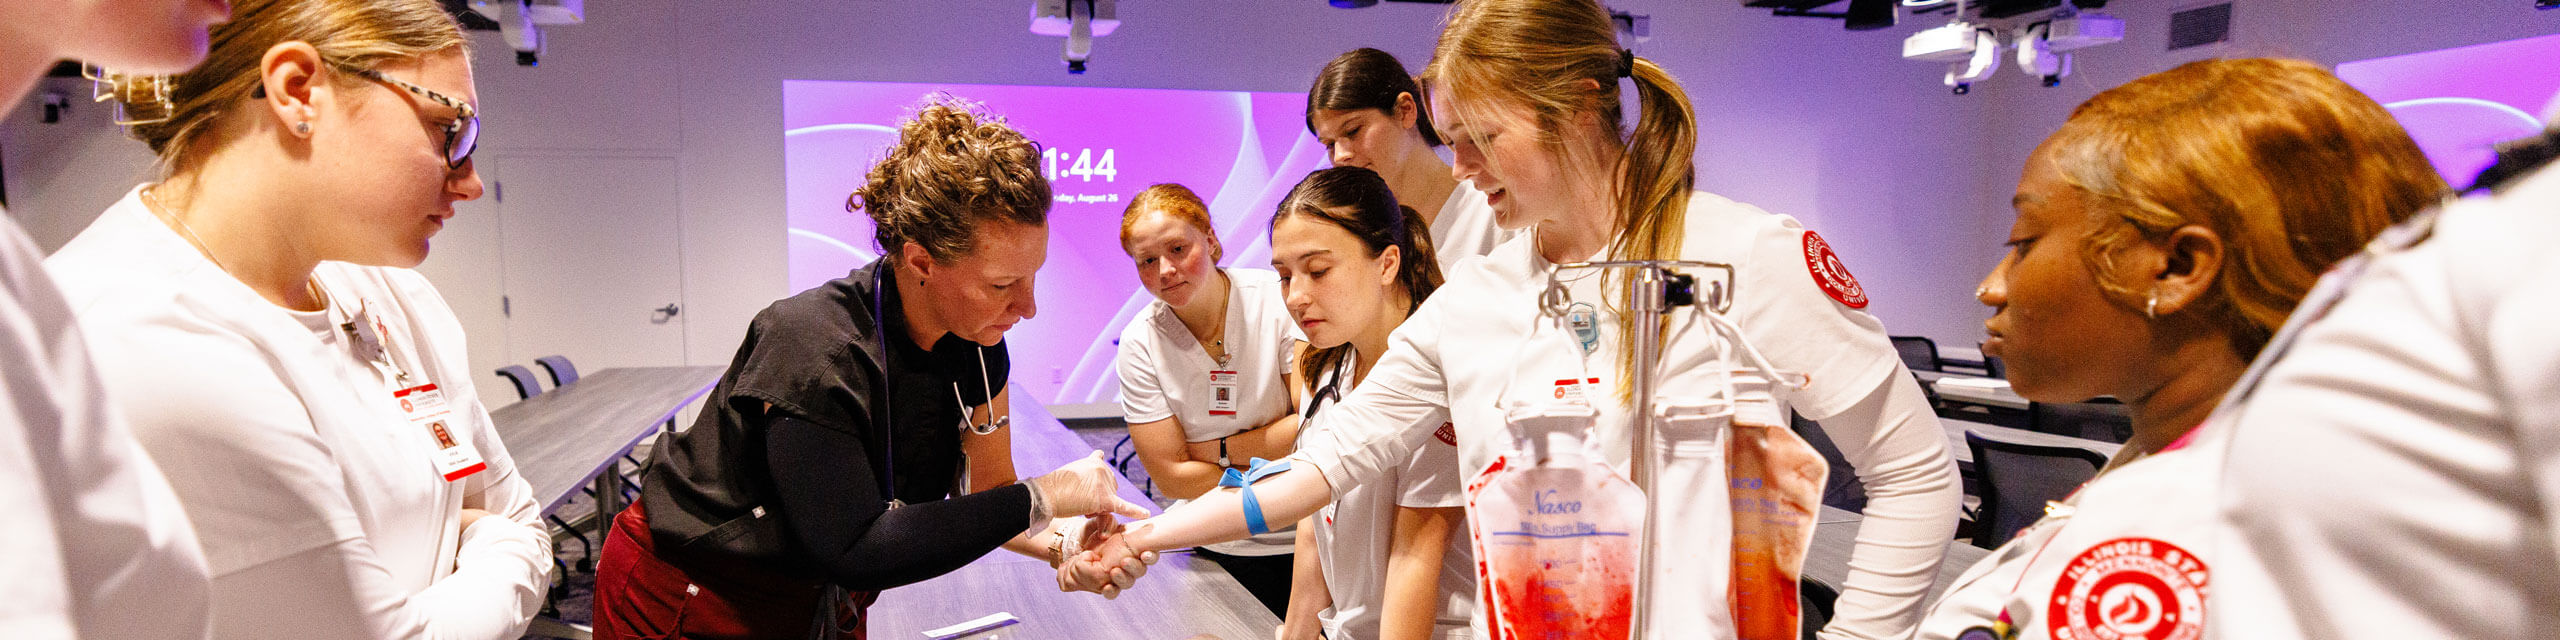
1657, 288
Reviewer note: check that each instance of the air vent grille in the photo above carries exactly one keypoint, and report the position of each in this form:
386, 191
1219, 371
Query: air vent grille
2209, 24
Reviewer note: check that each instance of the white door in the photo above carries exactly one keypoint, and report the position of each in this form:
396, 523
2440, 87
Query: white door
468, 265
578, 256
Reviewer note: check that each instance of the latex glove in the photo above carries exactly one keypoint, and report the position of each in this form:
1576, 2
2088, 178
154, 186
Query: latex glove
1107, 568
1078, 534
1085, 487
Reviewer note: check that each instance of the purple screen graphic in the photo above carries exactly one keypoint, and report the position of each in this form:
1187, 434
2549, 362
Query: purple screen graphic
2457, 102
1241, 151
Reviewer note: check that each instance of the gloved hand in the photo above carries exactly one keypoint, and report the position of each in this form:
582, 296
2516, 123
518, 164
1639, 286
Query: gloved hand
1106, 566
1085, 487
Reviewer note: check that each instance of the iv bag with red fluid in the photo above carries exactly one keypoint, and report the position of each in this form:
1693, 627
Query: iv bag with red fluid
1559, 536
1776, 482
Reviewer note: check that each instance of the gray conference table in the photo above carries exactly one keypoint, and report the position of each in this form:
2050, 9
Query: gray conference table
1998, 396
575, 435
568, 437
1181, 597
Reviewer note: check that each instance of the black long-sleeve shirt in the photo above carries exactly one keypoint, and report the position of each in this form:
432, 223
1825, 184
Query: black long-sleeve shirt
828, 410
839, 518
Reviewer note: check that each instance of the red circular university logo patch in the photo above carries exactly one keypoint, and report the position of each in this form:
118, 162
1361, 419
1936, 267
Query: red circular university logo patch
2129, 589
1832, 276
1448, 434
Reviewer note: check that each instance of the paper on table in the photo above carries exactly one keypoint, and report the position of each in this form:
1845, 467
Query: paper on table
991, 621
1977, 383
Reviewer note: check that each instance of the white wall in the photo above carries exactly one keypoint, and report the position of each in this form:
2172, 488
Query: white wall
2326, 32
1907, 182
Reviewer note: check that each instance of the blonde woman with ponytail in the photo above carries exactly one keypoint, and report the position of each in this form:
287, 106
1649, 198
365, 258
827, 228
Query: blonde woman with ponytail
1527, 92
306, 393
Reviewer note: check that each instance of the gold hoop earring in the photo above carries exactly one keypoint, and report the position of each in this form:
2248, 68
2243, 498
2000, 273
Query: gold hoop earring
2151, 308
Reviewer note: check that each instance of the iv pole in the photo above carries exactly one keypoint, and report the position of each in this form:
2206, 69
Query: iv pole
1656, 289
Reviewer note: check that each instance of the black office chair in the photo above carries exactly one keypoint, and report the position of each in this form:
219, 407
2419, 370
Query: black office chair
2102, 419
1918, 353
1841, 489
1816, 601
1992, 364
526, 385
562, 373
2018, 479
1122, 455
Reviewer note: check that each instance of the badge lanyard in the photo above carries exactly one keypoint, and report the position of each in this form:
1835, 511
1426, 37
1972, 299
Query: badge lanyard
1557, 308
421, 402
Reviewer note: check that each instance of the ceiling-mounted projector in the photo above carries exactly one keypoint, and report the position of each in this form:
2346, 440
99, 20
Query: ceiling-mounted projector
2075, 30
1079, 21
1952, 42
1052, 18
521, 21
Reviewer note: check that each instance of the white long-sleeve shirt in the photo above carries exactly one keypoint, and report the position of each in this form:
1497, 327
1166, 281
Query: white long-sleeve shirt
1471, 347
318, 503
93, 543
1464, 228
2394, 472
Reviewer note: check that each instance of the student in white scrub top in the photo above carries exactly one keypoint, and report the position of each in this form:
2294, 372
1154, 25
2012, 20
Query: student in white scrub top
2153, 271
1204, 379
2390, 466
1388, 559
1537, 132
94, 544
1368, 113
306, 393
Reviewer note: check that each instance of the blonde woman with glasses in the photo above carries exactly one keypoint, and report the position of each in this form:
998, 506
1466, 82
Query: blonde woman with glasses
306, 392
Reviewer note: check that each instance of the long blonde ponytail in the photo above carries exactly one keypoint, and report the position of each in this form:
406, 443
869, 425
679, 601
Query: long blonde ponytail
1560, 60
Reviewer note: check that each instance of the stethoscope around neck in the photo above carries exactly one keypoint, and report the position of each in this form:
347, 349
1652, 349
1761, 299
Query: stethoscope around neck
888, 394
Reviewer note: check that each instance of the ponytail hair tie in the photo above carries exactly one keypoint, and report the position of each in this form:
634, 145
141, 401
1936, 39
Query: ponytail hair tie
1626, 63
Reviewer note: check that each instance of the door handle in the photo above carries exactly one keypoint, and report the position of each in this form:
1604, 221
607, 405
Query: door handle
661, 315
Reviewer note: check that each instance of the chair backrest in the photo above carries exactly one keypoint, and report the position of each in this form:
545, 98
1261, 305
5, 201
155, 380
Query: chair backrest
2018, 479
1918, 353
1841, 490
562, 373
526, 386
2103, 419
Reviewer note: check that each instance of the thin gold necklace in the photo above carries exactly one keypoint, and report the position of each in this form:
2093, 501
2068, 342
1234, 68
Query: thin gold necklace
169, 215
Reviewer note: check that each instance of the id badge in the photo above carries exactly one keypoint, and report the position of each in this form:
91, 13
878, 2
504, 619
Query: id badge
424, 406
1575, 390
1222, 393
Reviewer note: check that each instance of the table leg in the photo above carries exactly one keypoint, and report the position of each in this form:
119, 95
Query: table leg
608, 497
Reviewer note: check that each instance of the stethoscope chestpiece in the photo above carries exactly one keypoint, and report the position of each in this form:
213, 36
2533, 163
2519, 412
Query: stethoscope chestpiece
991, 426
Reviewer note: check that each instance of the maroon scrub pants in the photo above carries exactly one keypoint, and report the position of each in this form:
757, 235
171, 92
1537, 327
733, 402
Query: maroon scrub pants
647, 593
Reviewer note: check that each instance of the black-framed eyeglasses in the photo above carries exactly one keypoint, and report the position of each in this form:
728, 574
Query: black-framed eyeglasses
461, 136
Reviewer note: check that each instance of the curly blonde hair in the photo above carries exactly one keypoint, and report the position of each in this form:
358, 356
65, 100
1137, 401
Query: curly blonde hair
954, 167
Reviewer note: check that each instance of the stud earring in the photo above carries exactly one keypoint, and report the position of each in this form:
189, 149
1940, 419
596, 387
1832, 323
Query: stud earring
302, 128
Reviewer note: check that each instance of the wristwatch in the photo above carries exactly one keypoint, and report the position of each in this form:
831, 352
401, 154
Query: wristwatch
1057, 548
